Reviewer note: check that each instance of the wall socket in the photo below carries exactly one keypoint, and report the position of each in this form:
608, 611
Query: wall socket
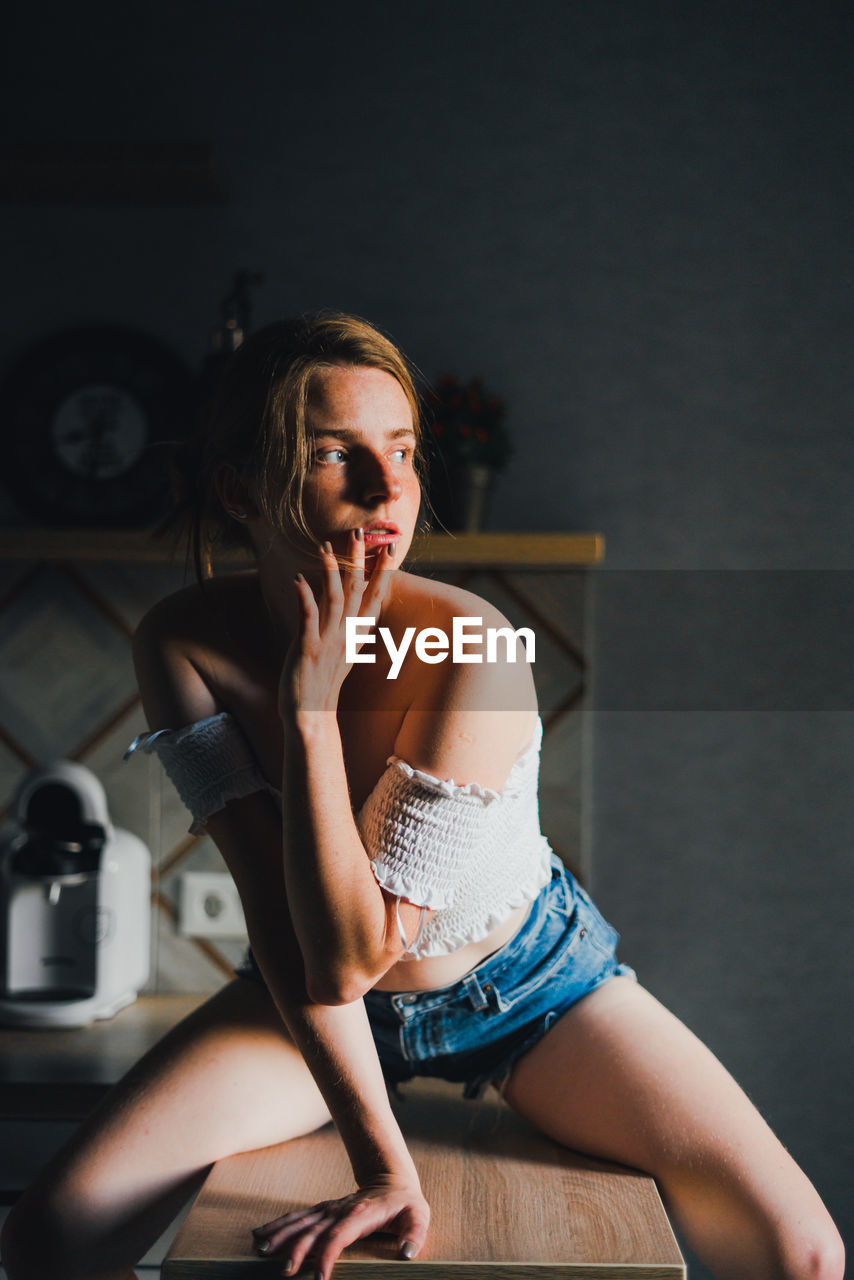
209, 906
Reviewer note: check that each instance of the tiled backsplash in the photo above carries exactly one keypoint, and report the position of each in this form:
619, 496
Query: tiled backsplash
67, 689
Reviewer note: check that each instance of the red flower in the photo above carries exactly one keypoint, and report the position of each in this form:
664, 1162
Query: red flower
470, 426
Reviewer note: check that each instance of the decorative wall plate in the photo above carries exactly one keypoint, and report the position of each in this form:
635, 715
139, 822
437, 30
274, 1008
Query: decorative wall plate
87, 420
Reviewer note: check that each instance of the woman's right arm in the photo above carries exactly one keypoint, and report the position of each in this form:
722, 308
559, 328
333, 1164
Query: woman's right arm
335, 1041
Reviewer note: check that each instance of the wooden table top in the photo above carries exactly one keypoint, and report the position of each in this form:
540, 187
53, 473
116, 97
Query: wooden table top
506, 1203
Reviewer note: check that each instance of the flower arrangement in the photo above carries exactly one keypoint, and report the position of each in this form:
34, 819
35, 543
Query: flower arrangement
467, 424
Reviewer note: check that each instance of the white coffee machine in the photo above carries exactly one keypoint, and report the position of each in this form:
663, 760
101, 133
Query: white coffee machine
74, 904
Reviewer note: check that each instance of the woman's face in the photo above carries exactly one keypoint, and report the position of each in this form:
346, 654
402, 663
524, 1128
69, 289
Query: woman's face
362, 476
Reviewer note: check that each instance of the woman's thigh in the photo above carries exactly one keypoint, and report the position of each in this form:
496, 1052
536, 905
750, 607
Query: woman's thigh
621, 1078
226, 1079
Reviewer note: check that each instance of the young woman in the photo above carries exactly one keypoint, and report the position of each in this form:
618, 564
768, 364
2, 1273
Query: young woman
384, 839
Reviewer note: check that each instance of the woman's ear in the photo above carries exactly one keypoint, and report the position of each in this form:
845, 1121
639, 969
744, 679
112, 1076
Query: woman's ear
234, 494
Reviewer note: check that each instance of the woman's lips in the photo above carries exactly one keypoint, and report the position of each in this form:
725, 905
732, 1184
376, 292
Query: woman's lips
380, 534
378, 538
374, 537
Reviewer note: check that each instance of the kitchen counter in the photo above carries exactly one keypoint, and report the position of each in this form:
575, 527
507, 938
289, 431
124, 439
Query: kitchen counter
59, 1073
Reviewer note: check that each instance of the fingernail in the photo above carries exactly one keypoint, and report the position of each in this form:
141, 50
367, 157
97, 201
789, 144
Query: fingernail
298, 578
264, 1246
257, 1231
358, 534
327, 547
392, 547
407, 1249
288, 1267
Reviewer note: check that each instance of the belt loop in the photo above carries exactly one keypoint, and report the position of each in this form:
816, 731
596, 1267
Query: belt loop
494, 998
475, 993
483, 997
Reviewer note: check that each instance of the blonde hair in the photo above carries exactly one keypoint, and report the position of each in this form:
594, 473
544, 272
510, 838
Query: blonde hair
256, 425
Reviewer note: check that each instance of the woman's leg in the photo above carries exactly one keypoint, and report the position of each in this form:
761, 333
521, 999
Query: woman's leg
226, 1079
621, 1078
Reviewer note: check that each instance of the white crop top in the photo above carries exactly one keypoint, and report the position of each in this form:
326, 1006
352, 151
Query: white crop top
471, 854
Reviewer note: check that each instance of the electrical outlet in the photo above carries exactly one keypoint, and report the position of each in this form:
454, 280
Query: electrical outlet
209, 906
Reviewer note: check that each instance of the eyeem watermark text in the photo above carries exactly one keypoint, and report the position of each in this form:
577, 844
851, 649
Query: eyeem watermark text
466, 643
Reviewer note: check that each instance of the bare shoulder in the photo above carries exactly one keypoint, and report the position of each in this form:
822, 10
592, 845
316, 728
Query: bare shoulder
473, 713
194, 613
175, 649
431, 603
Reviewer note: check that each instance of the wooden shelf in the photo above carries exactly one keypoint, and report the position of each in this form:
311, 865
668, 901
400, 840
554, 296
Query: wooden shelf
521, 550
436, 551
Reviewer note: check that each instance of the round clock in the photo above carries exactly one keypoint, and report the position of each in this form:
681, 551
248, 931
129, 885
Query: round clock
88, 417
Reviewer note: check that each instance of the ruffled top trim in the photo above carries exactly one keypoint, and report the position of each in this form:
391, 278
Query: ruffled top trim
448, 787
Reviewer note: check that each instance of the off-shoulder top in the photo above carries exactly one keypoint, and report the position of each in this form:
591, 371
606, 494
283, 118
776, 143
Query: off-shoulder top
469, 853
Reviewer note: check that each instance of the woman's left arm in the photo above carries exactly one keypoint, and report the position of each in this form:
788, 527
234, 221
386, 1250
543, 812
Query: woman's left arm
466, 724
346, 926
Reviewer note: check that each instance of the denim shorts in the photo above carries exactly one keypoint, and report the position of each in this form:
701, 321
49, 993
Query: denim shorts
473, 1031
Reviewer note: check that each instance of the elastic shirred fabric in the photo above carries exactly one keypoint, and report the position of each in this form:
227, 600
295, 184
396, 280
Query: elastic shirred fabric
420, 836
469, 853
210, 762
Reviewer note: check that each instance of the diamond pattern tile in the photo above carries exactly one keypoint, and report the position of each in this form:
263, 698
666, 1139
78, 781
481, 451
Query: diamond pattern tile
132, 589
65, 667
559, 597
180, 966
232, 949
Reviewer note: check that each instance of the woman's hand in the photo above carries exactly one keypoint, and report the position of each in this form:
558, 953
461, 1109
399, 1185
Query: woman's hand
316, 665
387, 1204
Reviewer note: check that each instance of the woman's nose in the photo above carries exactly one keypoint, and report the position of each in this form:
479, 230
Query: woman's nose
378, 482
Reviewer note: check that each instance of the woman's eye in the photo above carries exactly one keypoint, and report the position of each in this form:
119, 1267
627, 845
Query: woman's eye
331, 455
402, 454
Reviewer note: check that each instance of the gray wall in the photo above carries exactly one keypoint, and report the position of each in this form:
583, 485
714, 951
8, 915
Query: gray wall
635, 220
